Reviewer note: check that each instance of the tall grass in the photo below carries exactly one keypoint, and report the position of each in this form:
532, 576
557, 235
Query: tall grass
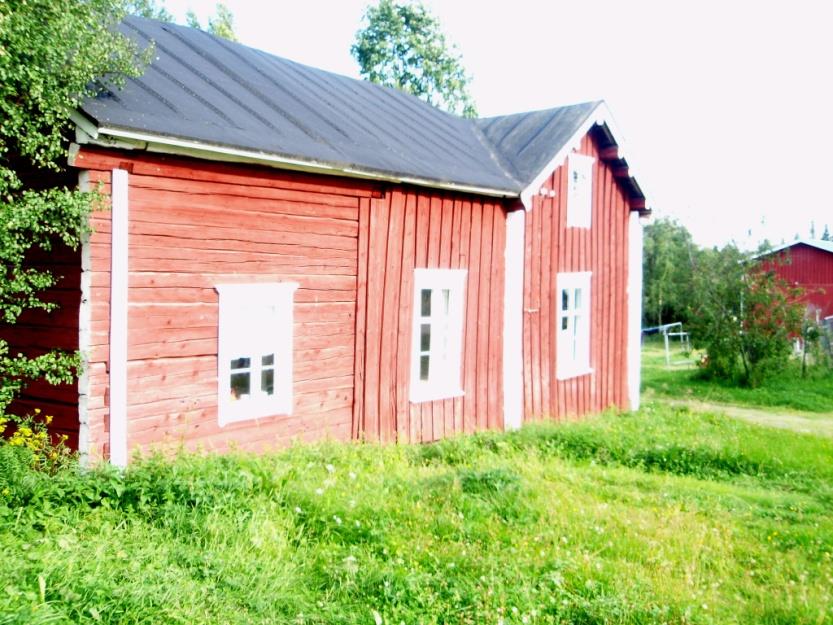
662, 516
789, 389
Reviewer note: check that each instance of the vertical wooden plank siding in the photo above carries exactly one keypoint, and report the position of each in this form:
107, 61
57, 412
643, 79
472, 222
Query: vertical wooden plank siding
195, 225
424, 229
812, 270
552, 248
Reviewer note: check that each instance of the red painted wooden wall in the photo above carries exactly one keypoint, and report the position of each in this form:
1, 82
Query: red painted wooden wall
550, 248
38, 332
417, 228
194, 225
811, 269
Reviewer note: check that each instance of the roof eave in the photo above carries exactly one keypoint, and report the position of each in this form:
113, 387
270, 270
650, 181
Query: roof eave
89, 133
600, 116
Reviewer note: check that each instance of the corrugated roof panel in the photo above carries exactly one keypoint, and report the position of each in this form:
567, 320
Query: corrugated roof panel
209, 90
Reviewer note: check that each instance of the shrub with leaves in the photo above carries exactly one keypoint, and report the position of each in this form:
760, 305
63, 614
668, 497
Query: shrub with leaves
745, 317
53, 53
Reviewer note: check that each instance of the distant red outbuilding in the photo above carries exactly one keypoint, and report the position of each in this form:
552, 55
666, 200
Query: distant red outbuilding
808, 264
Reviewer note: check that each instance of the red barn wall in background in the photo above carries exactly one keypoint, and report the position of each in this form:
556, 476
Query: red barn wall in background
810, 268
550, 248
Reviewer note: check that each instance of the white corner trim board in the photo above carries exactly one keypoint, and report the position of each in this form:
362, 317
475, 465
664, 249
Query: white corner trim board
634, 309
118, 318
84, 322
513, 302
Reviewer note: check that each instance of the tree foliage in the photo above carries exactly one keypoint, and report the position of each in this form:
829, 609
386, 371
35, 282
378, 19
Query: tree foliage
401, 45
221, 25
743, 315
667, 264
53, 53
149, 9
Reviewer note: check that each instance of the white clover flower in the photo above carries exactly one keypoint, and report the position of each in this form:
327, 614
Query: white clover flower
319, 491
330, 468
351, 475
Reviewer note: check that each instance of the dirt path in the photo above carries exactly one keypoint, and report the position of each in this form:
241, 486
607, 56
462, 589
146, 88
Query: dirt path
805, 422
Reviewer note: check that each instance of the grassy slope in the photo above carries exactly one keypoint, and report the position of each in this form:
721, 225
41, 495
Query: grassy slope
664, 516
790, 390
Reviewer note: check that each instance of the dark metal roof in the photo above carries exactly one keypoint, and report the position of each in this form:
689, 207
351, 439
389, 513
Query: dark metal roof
216, 92
527, 142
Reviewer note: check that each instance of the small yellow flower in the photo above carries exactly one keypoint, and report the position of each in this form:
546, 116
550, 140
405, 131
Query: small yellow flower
47, 419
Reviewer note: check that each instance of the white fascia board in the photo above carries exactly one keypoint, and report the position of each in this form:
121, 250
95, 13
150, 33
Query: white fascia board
118, 317
600, 115
184, 147
634, 289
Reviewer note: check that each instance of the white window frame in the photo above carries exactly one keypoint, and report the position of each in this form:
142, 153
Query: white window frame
445, 351
580, 190
572, 326
255, 321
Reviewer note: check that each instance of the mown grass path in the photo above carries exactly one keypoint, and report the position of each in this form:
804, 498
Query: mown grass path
795, 420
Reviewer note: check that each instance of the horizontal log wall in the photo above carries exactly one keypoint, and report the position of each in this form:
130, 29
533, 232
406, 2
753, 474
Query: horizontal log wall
194, 225
550, 248
415, 228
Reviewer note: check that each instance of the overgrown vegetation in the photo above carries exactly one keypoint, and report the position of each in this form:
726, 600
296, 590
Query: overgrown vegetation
53, 53
743, 316
789, 389
662, 516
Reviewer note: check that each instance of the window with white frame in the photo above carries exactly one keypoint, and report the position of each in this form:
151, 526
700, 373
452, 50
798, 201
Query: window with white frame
579, 190
254, 350
437, 340
573, 324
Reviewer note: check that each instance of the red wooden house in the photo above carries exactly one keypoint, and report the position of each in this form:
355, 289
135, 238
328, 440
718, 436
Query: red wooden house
287, 253
807, 263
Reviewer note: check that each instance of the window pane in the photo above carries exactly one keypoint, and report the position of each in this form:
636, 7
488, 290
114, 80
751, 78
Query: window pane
564, 323
241, 363
267, 381
446, 301
565, 299
423, 367
268, 361
240, 385
577, 300
425, 337
425, 297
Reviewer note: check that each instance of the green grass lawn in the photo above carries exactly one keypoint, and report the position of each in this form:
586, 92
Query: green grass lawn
682, 381
664, 516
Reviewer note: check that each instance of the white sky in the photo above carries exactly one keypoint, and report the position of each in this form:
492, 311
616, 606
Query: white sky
726, 106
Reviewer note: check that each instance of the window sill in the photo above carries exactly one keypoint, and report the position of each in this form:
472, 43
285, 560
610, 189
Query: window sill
235, 414
574, 373
421, 395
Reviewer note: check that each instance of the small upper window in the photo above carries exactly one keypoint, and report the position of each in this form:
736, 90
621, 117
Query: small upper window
437, 343
573, 324
579, 190
254, 351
